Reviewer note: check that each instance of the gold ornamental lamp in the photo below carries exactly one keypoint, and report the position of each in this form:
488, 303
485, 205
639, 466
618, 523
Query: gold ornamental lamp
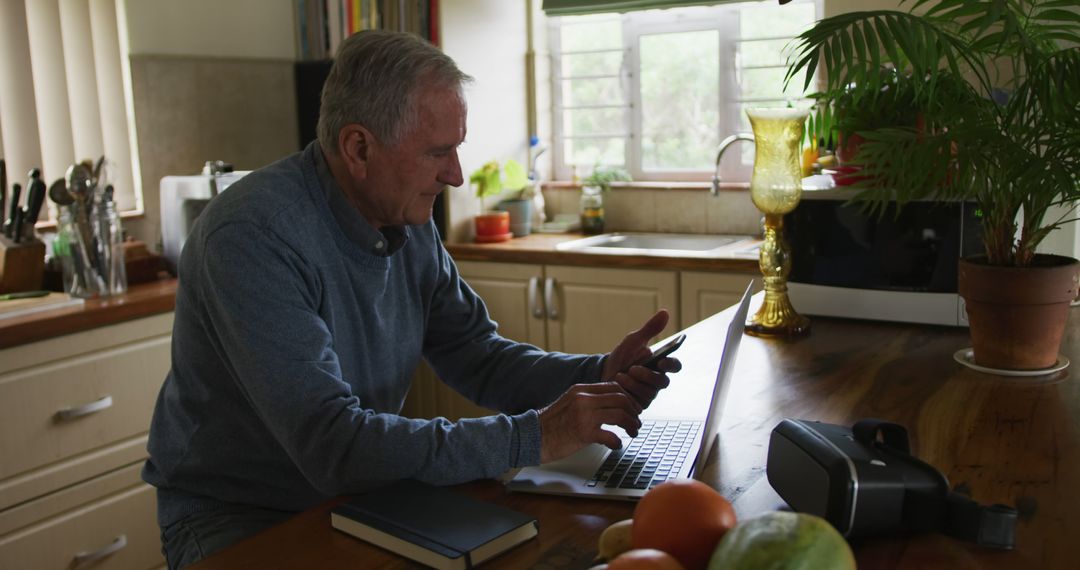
775, 188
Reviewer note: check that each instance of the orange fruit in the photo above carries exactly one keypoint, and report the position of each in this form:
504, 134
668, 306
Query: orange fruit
644, 559
684, 518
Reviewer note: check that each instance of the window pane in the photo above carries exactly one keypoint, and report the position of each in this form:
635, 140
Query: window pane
679, 99
603, 63
764, 52
580, 33
588, 152
768, 82
768, 20
606, 91
594, 122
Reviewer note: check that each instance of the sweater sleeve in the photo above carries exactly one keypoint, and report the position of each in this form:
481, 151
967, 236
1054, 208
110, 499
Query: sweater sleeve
261, 306
465, 350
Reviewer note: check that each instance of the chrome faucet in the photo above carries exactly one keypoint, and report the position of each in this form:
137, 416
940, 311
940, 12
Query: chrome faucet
720, 154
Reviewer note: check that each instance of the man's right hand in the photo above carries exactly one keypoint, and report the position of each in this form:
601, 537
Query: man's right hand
573, 421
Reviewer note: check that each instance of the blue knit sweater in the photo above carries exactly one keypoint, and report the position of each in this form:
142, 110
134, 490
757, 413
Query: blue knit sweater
298, 329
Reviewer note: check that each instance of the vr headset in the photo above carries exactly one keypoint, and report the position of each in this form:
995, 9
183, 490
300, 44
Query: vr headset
865, 482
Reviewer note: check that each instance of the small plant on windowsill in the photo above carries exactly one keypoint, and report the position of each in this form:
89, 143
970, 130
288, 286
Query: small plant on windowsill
602, 177
490, 180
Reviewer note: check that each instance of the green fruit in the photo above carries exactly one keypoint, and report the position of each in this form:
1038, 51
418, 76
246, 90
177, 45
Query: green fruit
783, 541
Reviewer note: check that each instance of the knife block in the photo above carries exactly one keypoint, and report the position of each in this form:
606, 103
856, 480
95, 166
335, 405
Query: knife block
22, 265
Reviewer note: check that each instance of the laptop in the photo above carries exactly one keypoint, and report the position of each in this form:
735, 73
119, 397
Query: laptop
674, 441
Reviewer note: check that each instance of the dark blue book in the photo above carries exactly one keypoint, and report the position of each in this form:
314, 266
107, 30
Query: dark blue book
432, 525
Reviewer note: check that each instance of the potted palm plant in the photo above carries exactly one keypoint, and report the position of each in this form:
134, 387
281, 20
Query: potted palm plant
996, 87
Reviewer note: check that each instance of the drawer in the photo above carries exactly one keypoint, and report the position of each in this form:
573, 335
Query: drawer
123, 523
77, 410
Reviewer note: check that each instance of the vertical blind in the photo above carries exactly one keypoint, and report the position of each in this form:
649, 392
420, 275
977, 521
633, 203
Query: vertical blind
62, 95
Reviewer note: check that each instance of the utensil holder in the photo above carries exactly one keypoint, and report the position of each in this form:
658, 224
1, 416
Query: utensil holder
91, 251
22, 265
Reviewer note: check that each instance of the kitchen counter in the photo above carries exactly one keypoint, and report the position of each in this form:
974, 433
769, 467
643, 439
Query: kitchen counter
140, 301
159, 296
540, 249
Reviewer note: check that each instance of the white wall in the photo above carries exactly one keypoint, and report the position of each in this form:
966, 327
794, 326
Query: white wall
216, 28
487, 40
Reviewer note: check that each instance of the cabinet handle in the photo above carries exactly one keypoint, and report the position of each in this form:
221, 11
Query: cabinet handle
95, 406
534, 292
549, 299
84, 558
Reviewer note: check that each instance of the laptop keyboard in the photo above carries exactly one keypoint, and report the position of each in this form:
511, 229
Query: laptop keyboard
655, 455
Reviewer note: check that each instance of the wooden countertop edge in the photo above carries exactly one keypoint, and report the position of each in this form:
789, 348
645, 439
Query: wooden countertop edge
141, 300
540, 248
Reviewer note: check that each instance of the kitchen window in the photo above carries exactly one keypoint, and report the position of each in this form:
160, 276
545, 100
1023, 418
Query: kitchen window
656, 91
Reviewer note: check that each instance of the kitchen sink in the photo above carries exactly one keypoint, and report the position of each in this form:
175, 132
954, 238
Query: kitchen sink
662, 245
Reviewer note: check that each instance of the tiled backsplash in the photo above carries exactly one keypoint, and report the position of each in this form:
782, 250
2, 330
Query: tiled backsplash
674, 210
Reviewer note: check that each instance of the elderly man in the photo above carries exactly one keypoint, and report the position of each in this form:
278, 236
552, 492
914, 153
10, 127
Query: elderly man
309, 292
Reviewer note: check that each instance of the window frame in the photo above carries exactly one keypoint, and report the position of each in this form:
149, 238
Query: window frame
723, 18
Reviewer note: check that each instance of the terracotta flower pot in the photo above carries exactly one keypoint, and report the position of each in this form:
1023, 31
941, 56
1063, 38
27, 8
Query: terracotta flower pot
1018, 314
492, 226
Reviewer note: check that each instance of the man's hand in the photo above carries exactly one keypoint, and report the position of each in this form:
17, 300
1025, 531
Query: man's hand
573, 421
623, 364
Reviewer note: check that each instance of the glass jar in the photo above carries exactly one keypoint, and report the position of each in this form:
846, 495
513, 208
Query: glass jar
89, 245
592, 210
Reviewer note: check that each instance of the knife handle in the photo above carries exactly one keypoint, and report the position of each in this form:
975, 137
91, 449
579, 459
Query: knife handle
35, 197
16, 225
9, 228
3, 190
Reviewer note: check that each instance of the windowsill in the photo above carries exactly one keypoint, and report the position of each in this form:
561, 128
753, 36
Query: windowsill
652, 185
50, 225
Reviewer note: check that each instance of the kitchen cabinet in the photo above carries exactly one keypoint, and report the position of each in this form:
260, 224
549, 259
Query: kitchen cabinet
558, 308
74, 415
705, 293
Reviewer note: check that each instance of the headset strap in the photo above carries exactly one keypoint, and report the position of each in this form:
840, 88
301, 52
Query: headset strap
991, 526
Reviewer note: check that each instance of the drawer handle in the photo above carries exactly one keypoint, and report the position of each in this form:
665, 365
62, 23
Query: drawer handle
95, 406
549, 299
534, 292
84, 558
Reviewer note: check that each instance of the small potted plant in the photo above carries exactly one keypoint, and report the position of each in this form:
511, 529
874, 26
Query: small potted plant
592, 200
996, 89
490, 180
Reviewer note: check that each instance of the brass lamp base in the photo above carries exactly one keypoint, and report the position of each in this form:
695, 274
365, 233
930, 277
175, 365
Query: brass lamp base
777, 317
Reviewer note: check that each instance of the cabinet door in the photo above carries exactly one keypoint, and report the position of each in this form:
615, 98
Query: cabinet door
511, 292
592, 309
707, 293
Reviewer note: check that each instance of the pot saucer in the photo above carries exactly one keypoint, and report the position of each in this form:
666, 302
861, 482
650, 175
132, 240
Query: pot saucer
494, 238
966, 356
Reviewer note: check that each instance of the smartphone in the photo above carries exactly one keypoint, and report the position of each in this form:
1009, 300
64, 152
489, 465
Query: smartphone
664, 351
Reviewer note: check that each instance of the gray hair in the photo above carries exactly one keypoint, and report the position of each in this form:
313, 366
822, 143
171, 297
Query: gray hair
374, 81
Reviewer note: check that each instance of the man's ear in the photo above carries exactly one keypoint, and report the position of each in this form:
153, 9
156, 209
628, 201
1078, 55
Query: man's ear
355, 145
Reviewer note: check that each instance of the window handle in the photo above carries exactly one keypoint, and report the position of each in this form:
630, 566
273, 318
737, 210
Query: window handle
549, 299
85, 409
534, 292
84, 559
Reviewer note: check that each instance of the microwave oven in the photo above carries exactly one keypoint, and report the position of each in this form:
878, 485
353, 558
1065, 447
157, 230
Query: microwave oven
900, 266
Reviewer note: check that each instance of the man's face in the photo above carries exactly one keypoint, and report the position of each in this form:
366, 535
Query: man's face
403, 180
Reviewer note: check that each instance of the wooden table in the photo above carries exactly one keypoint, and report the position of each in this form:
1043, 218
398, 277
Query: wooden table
1007, 440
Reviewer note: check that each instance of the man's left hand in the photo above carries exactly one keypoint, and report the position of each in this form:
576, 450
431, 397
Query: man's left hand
623, 364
